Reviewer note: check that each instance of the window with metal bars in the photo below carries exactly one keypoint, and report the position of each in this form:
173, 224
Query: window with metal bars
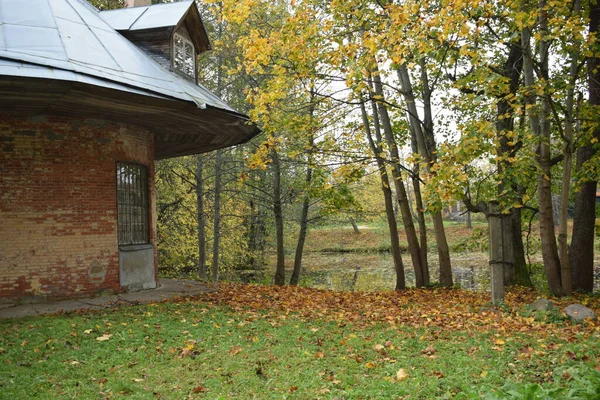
132, 204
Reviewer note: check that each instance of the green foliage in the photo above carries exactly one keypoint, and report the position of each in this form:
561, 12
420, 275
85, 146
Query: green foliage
103, 5
537, 272
587, 386
477, 242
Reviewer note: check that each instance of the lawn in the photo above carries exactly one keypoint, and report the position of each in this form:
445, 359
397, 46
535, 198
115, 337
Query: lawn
260, 342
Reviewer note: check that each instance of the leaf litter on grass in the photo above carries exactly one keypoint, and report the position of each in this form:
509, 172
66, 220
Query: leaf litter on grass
449, 309
251, 341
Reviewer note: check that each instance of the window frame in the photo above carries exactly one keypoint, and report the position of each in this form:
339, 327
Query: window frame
185, 42
133, 215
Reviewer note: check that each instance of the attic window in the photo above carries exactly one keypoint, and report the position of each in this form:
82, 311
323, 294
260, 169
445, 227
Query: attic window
184, 56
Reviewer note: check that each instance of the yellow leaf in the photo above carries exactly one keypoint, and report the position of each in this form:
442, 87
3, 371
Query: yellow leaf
484, 374
401, 375
499, 342
369, 365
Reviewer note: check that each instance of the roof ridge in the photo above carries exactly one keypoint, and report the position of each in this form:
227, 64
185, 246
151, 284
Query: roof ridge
139, 16
88, 5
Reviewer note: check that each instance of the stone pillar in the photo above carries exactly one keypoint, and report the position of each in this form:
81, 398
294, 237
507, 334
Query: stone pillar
496, 253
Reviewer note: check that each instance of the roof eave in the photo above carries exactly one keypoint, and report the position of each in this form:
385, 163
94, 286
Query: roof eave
179, 127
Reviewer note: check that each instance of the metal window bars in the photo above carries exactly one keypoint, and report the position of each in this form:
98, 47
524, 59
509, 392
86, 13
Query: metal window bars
132, 204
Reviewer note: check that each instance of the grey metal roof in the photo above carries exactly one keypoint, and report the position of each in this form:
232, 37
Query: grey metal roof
147, 17
69, 40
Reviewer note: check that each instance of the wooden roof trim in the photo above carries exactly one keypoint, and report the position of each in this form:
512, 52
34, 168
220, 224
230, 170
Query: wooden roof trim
193, 22
179, 128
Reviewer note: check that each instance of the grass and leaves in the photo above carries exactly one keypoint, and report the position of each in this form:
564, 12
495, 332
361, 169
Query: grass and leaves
252, 341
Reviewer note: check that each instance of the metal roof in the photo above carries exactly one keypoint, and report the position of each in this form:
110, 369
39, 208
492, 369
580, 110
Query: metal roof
147, 17
49, 36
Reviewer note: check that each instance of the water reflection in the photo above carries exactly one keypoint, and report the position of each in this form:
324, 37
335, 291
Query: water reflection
373, 272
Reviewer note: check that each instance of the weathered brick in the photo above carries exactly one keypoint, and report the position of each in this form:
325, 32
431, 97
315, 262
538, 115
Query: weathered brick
58, 211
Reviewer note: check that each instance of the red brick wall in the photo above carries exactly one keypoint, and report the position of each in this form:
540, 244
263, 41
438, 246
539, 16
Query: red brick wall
58, 213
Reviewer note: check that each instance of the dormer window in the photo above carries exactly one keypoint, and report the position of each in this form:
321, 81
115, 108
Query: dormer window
184, 56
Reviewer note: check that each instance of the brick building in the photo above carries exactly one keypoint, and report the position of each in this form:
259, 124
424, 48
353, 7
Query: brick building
88, 101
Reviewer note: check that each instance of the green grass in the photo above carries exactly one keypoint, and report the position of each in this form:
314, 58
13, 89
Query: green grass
193, 350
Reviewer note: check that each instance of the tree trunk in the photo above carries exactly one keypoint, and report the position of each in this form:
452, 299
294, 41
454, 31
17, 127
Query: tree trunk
201, 220
376, 148
420, 210
303, 229
507, 149
563, 247
306, 201
522, 276
380, 115
256, 228
301, 239
251, 228
426, 144
278, 212
354, 226
582, 241
540, 126
217, 216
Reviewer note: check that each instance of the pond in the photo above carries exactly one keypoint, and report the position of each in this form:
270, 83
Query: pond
371, 271
375, 271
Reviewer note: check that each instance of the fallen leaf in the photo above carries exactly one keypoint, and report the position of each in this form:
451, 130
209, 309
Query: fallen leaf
104, 337
369, 365
138, 379
319, 354
235, 350
378, 347
571, 355
438, 374
87, 331
200, 389
401, 375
